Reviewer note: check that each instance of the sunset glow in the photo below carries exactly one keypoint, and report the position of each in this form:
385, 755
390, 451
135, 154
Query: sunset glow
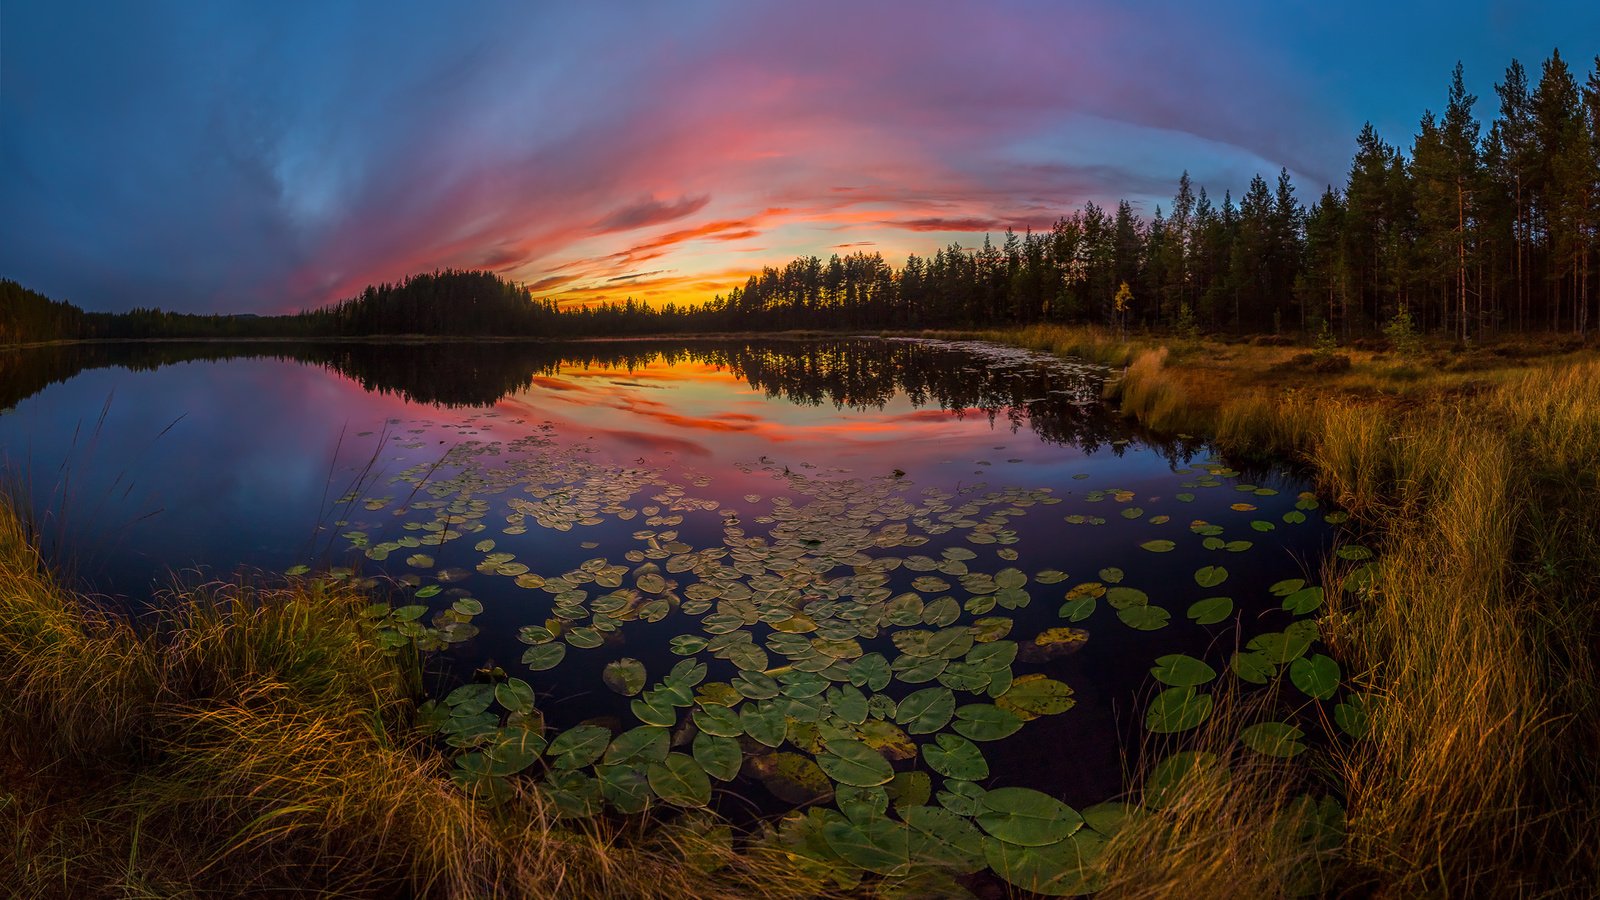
257, 159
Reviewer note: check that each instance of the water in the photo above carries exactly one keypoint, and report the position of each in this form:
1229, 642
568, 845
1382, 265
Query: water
814, 472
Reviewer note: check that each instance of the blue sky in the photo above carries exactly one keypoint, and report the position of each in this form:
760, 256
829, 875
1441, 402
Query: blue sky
252, 157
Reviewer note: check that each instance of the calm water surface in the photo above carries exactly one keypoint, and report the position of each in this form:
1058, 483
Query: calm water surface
774, 475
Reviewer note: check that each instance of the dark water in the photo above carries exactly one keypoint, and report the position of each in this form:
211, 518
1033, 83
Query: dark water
139, 461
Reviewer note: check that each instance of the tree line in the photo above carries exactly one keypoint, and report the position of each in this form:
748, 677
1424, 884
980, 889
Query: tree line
1471, 229
1468, 230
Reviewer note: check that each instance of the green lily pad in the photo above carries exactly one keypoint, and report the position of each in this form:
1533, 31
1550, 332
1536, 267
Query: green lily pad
1317, 676
878, 845
852, 762
579, 746
1284, 646
792, 778
680, 781
1160, 546
626, 787
655, 709
871, 671
1079, 609
1144, 618
1256, 668
954, 756
1354, 715
1177, 709
946, 839
764, 722
1033, 695
1171, 777
1181, 670
1273, 738
1210, 576
515, 695
926, 711
647, 743
687, 644
1304, 600
720, 757
1211, 610
718, 720
1287, 586
943, 611
626, 676
1125, 597
544, 656
1064, 869
908, 789
961, 797
1026, 817
986, 722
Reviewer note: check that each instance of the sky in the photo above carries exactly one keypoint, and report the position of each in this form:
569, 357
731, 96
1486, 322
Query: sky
234, 157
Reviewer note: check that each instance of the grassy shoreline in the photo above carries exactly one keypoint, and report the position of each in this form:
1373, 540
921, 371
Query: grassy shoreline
256, 739
1478, 473
252, 740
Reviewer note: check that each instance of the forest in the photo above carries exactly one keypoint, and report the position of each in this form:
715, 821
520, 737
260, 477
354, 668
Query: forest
1470, 230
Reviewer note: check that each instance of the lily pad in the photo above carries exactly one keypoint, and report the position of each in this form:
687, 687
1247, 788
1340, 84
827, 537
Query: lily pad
1211, 610
926, 711
1317, 676
1144, 618
946, 839
1026, 817
680, 781
1066, 868
852, 762
1181, 670
1177, 709
626, 676
720, 757
986, 722
544, 656
579, 746
1033, 695
954, 756
1273, 738
1304, 600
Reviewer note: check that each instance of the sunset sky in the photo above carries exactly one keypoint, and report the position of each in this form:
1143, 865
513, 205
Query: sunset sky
268, 157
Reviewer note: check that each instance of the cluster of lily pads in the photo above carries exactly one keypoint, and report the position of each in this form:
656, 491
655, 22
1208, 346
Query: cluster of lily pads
853, 653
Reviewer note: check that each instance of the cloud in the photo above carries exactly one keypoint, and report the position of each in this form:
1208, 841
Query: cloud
650, 211
272, 157
969, 223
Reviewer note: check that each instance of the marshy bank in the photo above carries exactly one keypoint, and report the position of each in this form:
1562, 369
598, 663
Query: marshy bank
1478, 472
252, 740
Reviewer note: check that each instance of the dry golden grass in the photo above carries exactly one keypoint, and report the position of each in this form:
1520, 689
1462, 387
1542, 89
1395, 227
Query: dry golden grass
1478, 478
252, 741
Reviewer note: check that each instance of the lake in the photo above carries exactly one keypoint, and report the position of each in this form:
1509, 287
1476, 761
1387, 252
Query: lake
867, 571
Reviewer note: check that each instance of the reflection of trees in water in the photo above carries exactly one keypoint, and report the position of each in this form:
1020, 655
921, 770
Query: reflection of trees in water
856, 374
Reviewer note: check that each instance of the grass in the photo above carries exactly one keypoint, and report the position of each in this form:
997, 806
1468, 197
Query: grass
249, 741
1477, 475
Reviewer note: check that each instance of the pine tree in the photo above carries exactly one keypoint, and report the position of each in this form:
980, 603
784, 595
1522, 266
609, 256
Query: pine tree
1513, 136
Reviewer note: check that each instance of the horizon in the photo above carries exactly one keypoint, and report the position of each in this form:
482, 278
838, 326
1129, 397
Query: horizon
251, 161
